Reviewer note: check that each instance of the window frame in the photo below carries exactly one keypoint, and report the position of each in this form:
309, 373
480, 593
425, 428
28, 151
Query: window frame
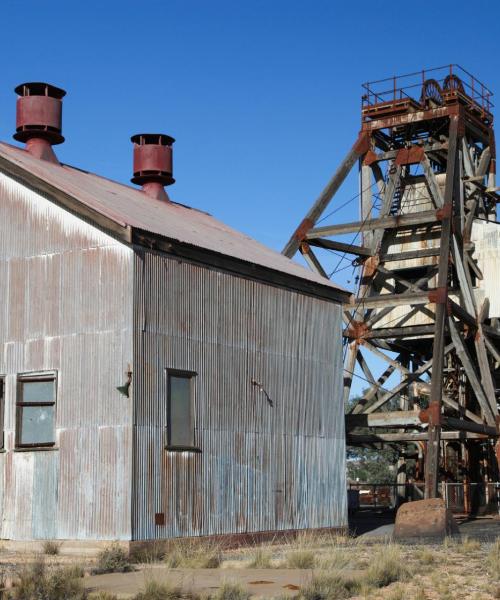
181, 373
20, 404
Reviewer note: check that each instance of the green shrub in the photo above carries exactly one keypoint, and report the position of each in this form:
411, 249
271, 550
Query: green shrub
330, 586
112, 559
387, 565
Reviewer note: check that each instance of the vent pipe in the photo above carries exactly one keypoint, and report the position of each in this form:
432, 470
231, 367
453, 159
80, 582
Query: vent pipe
153, 163
39, 118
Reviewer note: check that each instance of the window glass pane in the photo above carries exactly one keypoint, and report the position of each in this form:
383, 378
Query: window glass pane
37, 424
181, 430
38, 391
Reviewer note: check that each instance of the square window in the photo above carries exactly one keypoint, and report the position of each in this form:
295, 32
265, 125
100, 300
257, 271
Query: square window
36, 408
180, 418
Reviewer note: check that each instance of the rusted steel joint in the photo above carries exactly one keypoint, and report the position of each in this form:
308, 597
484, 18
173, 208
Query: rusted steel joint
410, 156
302, 230
370, 158
304, 248
439, 295
362, 144
431, 415
356, 331
370, 267
445, 212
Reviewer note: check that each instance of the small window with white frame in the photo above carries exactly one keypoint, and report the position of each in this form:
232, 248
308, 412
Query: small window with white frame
36, 410
180, 410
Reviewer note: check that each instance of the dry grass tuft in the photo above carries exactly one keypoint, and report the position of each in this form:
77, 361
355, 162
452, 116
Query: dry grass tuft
152, 553
387, 566
231, 591
336, 559
261, 559
300, 559
493, 560
112, 559
425, 556
330, 586
466, 546
50, 547
37, 582
102, 596
398, 592
193, 554
155, 590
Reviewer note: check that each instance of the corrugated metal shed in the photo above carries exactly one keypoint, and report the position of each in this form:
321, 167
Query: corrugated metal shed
261, 468
67, 308
93, 306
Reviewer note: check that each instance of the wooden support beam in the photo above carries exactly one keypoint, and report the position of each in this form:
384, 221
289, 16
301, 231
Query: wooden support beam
432, 456
409, 255
463, 425
340, 247
493, 351
354, 439
470, 371
358, 149
373, 391
398, 388
391, 154
390, 190
406, 299
365, 368
395, 363
469, 414
312, 260
393, 332
407, 221
432, 182
400, 418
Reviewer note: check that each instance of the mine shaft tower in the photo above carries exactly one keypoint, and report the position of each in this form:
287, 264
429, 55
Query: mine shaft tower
428, 249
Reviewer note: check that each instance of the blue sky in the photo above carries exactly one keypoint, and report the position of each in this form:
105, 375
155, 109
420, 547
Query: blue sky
263, 97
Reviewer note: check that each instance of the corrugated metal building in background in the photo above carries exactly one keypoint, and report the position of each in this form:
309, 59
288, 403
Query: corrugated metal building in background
162, 374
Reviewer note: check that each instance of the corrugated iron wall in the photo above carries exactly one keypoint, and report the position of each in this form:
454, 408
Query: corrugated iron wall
261, 468
67, 307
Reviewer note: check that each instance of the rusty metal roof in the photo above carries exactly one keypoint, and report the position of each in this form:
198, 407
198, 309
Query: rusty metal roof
130, 207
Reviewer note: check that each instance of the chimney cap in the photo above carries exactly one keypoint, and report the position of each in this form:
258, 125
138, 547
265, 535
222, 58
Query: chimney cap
152, 159
160, 139
39, 88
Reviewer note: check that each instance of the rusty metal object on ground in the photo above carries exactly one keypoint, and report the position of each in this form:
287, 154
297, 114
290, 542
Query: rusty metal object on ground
424, 519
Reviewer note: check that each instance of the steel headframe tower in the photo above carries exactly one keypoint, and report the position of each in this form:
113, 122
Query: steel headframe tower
426, 154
